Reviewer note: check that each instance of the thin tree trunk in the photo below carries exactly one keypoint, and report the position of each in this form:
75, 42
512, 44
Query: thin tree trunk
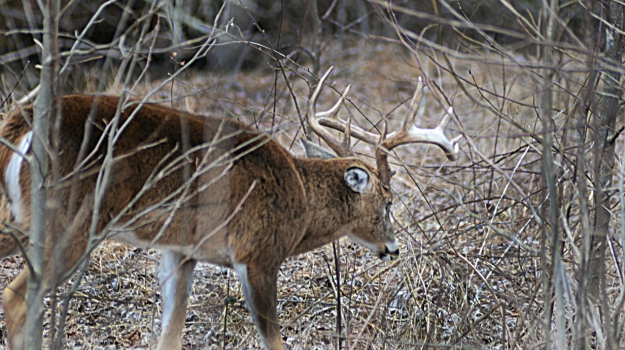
550, 237
317, 29
604, 148
313, 12
603, 152
44, 110
583, 167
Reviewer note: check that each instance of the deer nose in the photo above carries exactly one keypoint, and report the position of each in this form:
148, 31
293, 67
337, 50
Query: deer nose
391, 251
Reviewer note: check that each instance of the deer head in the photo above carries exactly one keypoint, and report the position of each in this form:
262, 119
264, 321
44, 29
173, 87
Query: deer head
385, 143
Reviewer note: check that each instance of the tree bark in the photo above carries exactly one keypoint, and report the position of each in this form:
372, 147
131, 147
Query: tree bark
604, 147
604, 158
550, 236
44, 111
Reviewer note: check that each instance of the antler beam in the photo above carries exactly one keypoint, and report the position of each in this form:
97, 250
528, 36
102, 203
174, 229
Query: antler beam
342, 148
410, 133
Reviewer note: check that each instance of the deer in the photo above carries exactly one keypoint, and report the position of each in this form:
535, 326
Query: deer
199, 188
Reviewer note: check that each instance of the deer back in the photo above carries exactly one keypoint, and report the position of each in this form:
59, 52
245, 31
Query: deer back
165, 147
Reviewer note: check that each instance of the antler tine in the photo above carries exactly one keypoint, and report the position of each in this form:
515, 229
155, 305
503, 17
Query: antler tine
312, 104
331, 120
347, 135
381, 157
332, 112
415, 103
384, 131
412, 134
341, 148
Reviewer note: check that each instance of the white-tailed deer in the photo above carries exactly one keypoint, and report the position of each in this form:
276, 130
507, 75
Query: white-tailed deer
198, 188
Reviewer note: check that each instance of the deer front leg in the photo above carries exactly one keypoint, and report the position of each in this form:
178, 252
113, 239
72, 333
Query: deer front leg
176, 278
14, 304
261, 297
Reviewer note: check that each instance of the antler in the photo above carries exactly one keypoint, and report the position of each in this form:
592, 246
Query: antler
341, 148
409, 133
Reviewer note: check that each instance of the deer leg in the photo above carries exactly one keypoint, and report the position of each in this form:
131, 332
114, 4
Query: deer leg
176, 277
15, 309
62, 257
14, 296
261, 295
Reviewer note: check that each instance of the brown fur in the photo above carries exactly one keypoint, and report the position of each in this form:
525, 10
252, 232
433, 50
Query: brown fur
263, 204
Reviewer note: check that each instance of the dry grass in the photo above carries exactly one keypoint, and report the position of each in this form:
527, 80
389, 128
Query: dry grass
469, 273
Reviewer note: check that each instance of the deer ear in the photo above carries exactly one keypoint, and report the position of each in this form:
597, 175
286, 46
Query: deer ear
315, 151
357, 179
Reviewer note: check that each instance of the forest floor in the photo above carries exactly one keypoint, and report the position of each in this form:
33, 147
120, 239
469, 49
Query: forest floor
469, 271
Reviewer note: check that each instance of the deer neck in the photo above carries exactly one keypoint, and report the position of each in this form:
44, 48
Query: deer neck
329, 201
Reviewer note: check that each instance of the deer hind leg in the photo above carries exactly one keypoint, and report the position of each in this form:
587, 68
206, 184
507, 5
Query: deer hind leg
14, 295
15, 309
60, 258
176, 277
261, 296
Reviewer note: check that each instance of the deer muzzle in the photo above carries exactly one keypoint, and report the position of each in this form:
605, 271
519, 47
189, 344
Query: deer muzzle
390, 252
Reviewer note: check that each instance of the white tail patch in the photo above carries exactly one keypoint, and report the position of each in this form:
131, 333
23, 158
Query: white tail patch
12, 177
